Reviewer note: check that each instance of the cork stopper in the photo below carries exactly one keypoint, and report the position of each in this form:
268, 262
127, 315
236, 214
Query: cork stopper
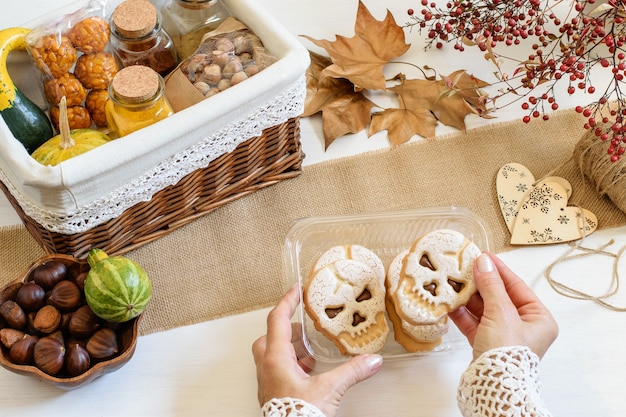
136, 83
134, 18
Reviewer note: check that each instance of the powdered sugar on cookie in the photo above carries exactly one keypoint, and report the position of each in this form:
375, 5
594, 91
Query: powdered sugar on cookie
437, 276
346, 301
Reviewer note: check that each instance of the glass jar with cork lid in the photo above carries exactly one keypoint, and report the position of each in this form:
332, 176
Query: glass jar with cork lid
186, 21
136, 100
138, 37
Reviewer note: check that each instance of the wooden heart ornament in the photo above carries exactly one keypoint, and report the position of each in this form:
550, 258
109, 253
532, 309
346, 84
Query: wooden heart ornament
544, 217
537, 212
513, 182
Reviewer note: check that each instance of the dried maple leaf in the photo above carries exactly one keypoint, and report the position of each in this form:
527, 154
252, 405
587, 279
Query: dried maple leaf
468, 87
449, 99
402, 124
361, 58
343, 109
424, 103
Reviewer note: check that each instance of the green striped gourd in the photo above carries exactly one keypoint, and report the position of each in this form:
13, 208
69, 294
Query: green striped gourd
116, 288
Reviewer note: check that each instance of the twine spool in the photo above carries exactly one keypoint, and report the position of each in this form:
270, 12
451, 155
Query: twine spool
609, 178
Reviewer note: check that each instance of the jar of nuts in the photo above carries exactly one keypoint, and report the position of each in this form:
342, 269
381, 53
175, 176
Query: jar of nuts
138, 38
187, 21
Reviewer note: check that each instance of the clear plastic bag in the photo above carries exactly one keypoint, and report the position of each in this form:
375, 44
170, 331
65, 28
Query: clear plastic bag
73, 56
226, 57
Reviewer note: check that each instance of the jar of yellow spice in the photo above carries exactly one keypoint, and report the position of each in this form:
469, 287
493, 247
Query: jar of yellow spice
136, 100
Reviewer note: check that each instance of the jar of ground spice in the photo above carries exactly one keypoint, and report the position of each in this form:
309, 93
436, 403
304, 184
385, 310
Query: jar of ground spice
187, 21
136, 100
138, 38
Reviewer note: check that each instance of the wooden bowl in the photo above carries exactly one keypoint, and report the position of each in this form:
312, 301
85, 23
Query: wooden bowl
127, 335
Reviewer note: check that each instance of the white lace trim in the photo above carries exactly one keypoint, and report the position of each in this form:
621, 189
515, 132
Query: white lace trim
292, 407
502, 382
287, 105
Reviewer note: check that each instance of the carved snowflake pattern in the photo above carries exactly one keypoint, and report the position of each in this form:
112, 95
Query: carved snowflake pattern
541, 197
509, 207
543, 237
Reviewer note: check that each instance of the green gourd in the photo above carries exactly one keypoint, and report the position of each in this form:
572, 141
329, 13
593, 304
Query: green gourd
68, 143
27, 122
116, 288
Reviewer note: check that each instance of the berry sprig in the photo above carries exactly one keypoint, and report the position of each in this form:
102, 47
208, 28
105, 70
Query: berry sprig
564, 50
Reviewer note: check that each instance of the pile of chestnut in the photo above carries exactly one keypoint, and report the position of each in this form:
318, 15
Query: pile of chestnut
45, 321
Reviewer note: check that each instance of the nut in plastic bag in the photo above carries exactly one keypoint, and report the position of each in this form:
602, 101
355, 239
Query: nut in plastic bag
226, 56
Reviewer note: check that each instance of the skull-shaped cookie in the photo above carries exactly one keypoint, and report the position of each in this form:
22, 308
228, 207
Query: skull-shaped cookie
436, 277
413, 337
346, 301
356, 252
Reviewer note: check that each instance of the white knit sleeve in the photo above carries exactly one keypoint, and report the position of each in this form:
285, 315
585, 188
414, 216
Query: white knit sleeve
502, 382
292, 407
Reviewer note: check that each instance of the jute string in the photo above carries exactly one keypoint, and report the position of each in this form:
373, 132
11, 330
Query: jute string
571, 292
608, 178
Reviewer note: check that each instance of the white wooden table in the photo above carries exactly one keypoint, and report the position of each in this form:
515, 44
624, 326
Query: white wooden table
207, 369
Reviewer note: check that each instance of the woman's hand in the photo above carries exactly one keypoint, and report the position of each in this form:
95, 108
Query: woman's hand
504, 312
280, 374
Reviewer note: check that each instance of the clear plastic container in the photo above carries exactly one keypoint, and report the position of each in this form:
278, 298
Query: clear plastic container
386, 234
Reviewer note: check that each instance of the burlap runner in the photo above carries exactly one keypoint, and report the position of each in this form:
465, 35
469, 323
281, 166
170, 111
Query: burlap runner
231, 260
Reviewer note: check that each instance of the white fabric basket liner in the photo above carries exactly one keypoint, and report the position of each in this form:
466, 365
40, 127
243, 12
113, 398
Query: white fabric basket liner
90, 189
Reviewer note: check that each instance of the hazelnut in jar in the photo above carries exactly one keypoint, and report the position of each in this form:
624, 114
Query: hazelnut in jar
138, 38
136, 100
187, 21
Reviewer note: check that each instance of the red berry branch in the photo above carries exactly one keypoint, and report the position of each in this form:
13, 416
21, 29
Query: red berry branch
567, 40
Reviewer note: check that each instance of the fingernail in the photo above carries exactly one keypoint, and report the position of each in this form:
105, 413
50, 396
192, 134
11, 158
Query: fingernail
374, 361
484, 263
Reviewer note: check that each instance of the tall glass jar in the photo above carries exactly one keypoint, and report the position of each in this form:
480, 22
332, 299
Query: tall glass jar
188, 20
138, 38
136, 100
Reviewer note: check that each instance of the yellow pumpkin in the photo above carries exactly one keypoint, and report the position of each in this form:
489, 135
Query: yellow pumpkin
68, 143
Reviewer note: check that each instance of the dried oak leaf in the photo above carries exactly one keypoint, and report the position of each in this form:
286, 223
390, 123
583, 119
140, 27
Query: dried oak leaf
361, 58
343, 109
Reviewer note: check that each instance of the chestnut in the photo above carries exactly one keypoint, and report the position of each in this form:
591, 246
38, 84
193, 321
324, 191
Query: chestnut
49, 273
13, 314
65, 296
103, 344
49, 355
22, 351
9, 336
83, 322
9, 292
77, 359
47, 319
31, 296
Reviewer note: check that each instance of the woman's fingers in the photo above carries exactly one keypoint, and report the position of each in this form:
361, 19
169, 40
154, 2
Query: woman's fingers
279, 321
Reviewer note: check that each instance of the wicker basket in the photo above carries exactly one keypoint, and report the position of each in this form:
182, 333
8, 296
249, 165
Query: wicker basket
250, 142
274, 156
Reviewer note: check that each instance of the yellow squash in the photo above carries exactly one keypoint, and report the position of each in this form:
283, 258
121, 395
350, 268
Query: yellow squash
27, 122
68, 143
